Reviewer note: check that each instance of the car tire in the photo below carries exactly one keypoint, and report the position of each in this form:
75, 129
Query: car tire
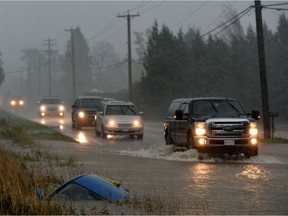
96, 132
78, 126
103, 135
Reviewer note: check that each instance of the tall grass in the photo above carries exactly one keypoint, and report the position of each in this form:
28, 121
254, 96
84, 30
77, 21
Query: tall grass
17, 189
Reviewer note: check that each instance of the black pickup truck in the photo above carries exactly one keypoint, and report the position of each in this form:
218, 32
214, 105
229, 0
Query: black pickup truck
212, 125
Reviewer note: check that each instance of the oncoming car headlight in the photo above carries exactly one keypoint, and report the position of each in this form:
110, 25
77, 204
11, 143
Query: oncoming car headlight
111, 123
81, 114
13, 103
136, 123
200, 128
61, 108
42, 108
253, 130
21, 102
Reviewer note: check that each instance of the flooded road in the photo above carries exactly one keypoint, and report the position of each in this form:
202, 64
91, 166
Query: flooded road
213, 185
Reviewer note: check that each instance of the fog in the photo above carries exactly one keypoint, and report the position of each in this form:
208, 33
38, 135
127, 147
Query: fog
27, 24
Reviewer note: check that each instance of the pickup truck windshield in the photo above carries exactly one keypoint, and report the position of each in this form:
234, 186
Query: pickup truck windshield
229, 108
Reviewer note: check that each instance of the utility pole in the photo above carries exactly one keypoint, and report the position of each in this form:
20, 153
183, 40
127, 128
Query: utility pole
49, 44
262, 70
128, 17
71, 30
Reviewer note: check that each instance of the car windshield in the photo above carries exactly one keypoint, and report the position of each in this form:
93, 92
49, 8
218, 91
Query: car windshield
121, 110
90, 103
50, 101
217, 108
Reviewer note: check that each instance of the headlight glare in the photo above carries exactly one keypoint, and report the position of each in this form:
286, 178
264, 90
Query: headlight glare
81, 114
136, 123
61, 108
111, 123
13, 102
200, 129
42, 108
253, 130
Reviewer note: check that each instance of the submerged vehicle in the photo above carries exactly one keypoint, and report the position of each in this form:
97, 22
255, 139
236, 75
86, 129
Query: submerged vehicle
212, 125
87, 187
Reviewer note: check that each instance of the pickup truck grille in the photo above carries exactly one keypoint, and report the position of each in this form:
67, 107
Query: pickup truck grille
228, 129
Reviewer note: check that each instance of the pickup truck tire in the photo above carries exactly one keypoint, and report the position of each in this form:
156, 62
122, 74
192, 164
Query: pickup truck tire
190, 141
168, 139
251, 152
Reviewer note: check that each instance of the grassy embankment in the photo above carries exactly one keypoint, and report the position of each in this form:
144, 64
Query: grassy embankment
21, 172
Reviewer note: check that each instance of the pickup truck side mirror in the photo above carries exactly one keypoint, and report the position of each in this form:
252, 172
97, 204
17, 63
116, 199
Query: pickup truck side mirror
178, 115
255, 114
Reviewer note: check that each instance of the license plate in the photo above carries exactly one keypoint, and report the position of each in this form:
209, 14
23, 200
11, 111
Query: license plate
229, 142
125, 130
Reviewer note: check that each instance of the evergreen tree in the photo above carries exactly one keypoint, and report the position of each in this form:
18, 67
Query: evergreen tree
83, 75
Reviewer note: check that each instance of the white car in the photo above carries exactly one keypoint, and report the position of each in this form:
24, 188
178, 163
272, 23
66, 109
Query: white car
50, 107
118, 118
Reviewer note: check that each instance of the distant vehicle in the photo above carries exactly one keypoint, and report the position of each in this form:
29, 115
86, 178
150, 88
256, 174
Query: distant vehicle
84, 110
212, 125
87, 187
16, 102
50, 107
118, 118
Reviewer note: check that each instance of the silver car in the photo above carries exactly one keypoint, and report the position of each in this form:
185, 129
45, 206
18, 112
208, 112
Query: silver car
118, 118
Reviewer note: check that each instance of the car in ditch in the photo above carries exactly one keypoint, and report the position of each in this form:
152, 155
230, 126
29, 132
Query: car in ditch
212, 125
87, 187
119, 118
50, 106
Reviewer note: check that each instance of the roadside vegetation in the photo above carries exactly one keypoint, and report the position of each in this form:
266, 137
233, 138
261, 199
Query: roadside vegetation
25, 167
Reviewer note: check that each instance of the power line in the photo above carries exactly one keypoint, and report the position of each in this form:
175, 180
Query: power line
235, 18
149, 9
232, 23
195, 11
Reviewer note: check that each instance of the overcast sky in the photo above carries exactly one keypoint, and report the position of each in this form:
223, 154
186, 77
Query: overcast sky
26, 24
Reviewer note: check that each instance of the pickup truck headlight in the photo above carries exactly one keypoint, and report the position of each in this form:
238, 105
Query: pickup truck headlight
253, 130
200, 128
81, 114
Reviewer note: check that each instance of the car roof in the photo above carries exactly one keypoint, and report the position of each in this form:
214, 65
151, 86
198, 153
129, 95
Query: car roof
89, 97
98, 185
203, 98
49, 97
115, 102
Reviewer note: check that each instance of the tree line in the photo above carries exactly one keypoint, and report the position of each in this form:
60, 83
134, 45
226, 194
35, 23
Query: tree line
189, 65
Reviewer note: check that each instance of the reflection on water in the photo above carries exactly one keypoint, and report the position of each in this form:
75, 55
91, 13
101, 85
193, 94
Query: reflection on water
81, 138
53, 123
254, 172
